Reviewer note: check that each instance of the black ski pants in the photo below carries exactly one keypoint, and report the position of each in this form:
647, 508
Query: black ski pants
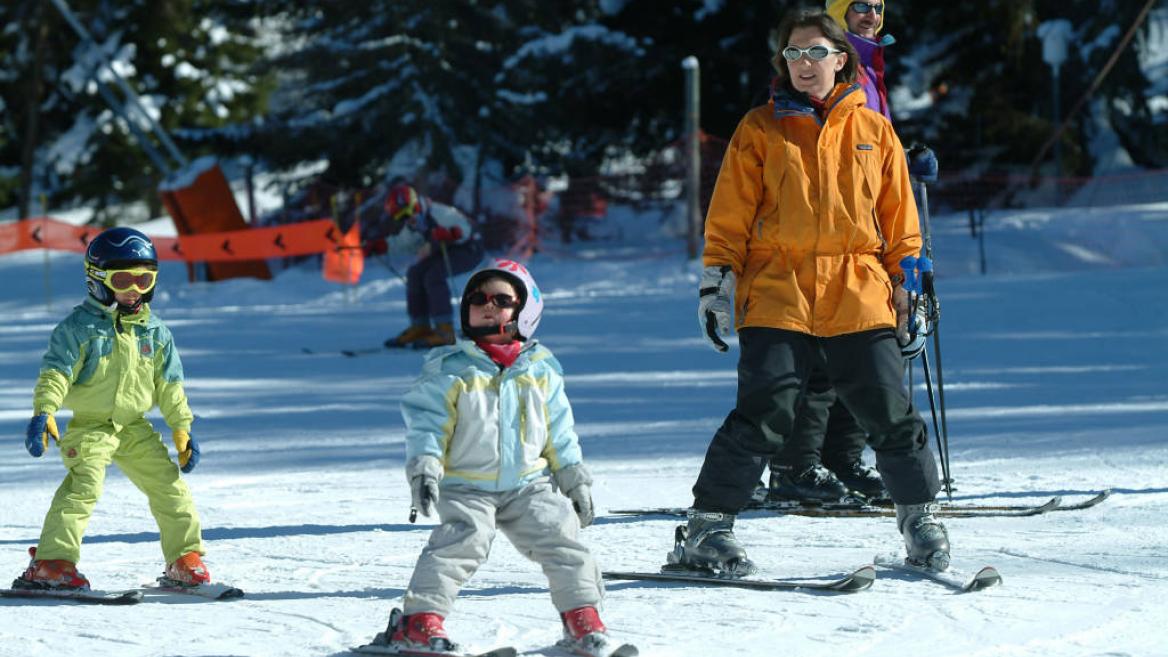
825, 430
865, 369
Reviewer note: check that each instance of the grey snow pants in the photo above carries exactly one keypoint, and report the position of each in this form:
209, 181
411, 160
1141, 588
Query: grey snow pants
537, 520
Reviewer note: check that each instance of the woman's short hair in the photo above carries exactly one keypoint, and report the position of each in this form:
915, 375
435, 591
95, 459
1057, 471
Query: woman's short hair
817, 19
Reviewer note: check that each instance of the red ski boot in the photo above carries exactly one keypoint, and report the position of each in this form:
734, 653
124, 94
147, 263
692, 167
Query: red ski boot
584, 634
422, 630
188, 570
56, 574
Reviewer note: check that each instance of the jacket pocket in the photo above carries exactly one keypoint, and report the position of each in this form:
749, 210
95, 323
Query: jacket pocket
867, 180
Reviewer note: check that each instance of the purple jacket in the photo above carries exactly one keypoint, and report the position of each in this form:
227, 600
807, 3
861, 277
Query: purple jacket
871, 72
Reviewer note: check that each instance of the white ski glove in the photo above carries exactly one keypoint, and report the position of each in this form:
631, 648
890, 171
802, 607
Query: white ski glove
576, 483
716, 304
424, 472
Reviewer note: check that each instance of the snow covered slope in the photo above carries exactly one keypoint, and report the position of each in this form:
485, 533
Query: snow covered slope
1055, 371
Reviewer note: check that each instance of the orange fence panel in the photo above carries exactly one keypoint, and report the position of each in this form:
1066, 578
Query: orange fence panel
305, 238
345, 262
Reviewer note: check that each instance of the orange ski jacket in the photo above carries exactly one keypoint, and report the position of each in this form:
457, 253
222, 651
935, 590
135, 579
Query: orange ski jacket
813, 215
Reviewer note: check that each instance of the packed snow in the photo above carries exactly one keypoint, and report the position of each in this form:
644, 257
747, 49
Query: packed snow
1054, 371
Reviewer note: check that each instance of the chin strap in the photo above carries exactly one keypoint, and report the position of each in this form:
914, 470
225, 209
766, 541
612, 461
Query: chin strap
130, 310
495, 329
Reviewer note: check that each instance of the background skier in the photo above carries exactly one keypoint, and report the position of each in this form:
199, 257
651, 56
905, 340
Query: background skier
452, 247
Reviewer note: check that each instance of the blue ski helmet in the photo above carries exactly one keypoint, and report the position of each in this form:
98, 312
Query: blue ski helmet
117, 248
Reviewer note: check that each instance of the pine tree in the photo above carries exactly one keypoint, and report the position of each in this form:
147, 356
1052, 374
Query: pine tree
186, 59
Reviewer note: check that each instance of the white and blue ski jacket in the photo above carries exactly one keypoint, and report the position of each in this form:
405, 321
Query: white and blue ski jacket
491, 428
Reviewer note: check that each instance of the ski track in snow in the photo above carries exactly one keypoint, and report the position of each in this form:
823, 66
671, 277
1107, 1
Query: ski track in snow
1055, 386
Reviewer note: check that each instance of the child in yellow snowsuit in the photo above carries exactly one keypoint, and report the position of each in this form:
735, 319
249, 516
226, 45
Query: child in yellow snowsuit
111, 366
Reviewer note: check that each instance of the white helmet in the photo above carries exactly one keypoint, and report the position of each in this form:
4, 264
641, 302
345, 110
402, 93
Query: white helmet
530, 300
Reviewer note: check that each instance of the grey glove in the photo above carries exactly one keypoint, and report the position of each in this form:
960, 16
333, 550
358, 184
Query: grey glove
575, 482
716, 304
424, 472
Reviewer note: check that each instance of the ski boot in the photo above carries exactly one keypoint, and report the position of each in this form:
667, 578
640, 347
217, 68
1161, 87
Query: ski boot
814, 483
862, 480
421, 630
409, 337
925, 537
55, 574
585, 634
187, 571
707, 544
443, 334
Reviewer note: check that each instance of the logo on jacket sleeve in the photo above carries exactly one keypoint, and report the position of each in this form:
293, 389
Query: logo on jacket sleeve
863, 147
147, 348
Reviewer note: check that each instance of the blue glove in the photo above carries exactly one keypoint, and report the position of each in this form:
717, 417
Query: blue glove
36, 438
922, 163
188, 450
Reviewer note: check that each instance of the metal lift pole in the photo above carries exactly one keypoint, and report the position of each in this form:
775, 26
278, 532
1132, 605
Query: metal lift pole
132, 98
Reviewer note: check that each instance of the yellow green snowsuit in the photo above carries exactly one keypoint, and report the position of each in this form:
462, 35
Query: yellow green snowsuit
110, 370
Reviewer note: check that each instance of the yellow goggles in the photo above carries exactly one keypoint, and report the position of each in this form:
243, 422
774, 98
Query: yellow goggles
124, 280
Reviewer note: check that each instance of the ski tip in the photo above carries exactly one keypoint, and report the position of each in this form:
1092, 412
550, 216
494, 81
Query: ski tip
1103, 494
984, 579
860, 580
129, 598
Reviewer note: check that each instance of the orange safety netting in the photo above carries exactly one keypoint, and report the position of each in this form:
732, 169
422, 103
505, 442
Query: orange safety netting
305, 238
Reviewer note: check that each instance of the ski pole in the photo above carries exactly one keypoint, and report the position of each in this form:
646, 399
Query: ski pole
942, 456
446, 262
449, 271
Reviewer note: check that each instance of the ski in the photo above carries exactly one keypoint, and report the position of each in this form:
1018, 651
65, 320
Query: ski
362, 351
1087, 503
623, 650
955, 579
382, 647
859, 510
858, 580
214, 591
359, 351
89, 597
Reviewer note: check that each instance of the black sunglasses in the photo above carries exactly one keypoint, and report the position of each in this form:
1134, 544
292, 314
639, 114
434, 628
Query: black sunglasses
864, 7
500, 300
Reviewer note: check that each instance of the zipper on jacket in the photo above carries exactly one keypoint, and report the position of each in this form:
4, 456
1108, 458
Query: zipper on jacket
522, 420
879, 233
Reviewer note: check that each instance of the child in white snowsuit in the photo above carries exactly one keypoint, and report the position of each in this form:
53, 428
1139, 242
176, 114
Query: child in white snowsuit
111, 365
486, 422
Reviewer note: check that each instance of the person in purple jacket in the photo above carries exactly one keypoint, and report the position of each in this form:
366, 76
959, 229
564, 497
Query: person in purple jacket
862, 21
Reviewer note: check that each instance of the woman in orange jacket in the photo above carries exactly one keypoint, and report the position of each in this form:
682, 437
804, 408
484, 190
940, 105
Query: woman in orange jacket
810, 218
